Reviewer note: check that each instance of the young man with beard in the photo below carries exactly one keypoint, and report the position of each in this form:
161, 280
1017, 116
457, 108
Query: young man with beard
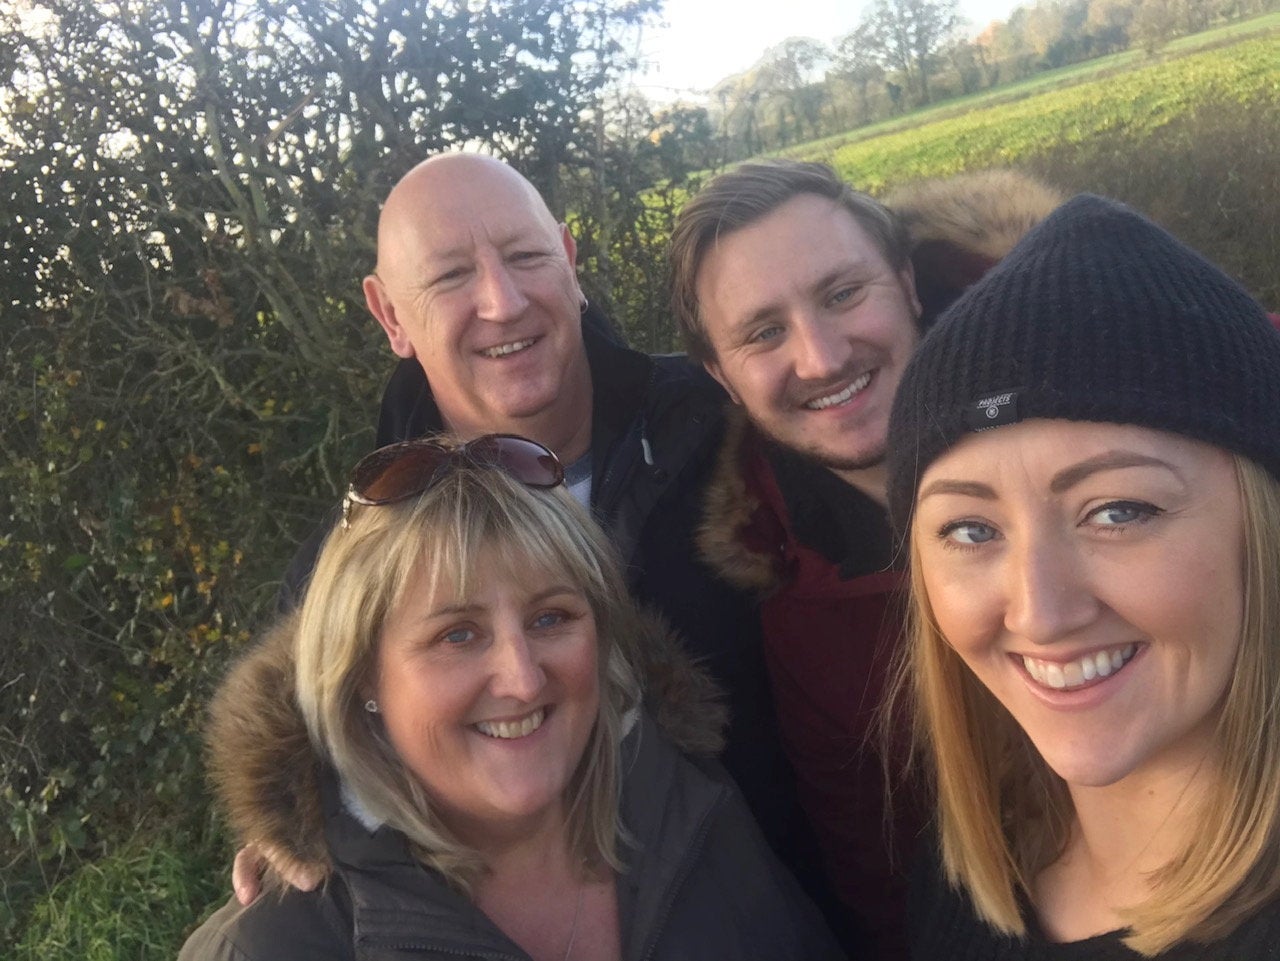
805, 300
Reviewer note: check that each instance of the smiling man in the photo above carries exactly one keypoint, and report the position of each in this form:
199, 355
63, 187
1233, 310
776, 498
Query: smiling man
803, 298
808, 317
475, 281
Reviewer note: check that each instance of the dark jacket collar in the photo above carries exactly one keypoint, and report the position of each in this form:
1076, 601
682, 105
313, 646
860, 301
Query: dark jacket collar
620, 379
831, 516
765, 502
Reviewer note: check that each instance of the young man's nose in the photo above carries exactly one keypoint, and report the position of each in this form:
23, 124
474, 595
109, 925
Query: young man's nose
820, 353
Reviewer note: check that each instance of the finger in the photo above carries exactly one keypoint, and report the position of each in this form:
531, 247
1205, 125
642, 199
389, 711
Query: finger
246, 874
301, 877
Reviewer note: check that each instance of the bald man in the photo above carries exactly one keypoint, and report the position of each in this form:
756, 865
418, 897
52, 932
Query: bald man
476, 290
475, 280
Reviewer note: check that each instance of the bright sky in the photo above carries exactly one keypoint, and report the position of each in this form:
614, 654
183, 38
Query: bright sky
705, 41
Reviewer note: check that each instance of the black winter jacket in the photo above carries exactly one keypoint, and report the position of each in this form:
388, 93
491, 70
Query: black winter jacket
944, 924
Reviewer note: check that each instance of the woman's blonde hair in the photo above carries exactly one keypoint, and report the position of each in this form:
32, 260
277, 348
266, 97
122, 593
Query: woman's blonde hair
1003, 815
362, 573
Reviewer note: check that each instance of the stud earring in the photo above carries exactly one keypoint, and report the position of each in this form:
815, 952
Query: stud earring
371, 706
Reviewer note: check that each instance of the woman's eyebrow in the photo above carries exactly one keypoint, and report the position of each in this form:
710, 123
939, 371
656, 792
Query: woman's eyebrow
1064, 480
1068, 477
966, 488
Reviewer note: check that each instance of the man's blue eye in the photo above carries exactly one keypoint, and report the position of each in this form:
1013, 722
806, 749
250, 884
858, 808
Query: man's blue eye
450, 275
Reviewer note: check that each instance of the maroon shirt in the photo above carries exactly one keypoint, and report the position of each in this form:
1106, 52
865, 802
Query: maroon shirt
831, 630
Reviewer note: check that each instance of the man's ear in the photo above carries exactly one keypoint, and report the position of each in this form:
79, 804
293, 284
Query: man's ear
712, 367
907, 278
379, 302
571, 253
570, 245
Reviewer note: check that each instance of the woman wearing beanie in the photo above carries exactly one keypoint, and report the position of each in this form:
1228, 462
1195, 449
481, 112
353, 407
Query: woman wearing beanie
1086, 465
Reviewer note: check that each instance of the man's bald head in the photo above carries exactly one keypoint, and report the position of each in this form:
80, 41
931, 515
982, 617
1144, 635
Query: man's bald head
476, 280
442, 180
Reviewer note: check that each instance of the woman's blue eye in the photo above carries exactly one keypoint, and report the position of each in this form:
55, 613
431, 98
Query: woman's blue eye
968, 533
548, 619
459, 635
1120, 513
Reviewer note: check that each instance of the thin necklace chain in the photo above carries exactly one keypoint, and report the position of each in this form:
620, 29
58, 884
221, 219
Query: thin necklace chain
573, 928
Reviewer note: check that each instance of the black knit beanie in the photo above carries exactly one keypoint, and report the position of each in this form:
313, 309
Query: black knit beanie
1096, 315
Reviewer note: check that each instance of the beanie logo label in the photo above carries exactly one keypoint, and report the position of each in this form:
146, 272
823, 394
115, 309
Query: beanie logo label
992, 411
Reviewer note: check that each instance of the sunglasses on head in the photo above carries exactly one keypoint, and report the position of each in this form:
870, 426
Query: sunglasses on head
399, 471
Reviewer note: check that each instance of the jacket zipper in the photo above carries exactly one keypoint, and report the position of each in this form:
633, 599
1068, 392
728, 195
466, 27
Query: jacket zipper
694, 852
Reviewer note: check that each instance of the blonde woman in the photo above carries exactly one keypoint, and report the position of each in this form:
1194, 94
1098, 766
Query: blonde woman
452, 728
1085, 455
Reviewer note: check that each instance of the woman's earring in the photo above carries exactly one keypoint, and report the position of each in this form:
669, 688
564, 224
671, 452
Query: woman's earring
371, 706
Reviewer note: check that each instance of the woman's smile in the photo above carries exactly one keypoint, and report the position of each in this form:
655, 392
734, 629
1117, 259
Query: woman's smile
514, 729
1086, 670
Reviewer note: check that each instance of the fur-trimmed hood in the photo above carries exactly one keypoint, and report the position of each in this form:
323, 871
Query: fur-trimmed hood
962, 226
959, 228
266, 774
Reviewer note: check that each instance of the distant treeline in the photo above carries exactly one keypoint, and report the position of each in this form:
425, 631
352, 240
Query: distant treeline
904, 54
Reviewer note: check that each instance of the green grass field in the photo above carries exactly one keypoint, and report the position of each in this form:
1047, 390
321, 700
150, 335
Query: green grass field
1049, 80
1126, 93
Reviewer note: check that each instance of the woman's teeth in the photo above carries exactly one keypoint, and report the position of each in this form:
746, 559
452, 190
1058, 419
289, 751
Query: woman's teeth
822, 403
513, 729
1063, 677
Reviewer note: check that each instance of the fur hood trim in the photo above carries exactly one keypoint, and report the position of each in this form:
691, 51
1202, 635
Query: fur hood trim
264, 770
959, 228
962, 226
729, 508
267, 775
